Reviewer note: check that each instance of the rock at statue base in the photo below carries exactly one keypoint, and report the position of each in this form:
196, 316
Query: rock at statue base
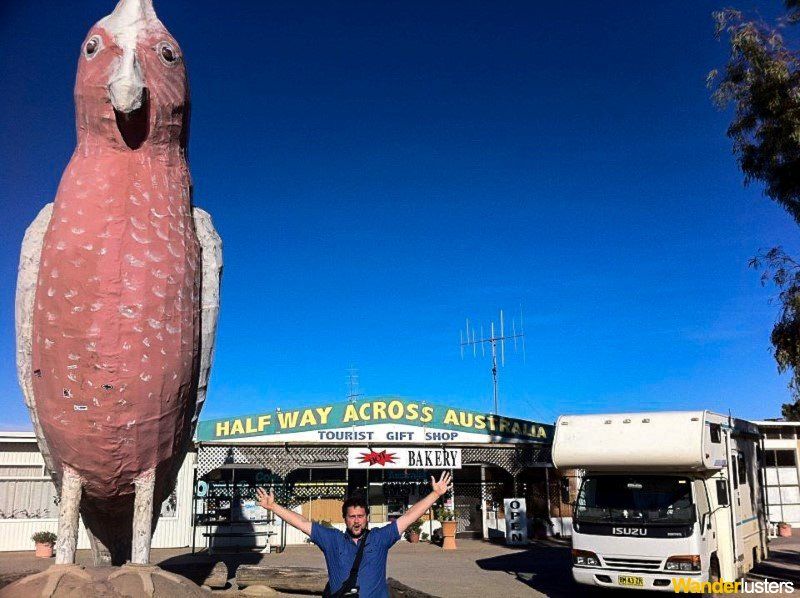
75, 581
218, 577
258, 591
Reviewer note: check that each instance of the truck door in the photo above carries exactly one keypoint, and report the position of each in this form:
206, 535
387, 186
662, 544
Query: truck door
707, 535
743, 504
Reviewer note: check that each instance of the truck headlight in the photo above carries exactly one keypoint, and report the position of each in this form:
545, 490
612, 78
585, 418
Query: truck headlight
585, 558
683, 562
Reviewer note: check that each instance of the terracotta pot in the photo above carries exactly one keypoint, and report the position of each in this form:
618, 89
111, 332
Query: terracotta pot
44, 550
785, 531
449, 534
413, 537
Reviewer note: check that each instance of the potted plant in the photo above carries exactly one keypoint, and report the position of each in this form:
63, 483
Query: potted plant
425, 536
413, 531
44, 544
784, 530
449, 525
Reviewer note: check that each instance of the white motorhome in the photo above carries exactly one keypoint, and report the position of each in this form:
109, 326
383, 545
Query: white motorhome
664, 495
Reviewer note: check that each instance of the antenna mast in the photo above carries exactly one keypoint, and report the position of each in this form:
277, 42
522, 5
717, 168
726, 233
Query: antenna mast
352, 384
495, 337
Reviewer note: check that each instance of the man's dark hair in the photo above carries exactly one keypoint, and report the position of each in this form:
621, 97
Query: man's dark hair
354, 501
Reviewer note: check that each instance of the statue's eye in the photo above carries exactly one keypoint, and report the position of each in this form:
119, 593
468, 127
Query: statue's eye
93, 46
167, 53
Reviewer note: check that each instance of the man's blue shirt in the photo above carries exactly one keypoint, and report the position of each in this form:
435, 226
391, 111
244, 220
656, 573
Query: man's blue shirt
340, 554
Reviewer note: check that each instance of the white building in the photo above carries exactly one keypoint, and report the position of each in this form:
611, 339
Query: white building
27, 499
780, 461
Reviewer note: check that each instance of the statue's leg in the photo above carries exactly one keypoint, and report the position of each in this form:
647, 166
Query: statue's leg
143, 518
67, 541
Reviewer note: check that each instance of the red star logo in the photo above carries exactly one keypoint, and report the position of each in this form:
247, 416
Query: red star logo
374, 458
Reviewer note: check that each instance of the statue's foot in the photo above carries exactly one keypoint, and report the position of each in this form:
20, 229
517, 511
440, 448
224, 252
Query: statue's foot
146, 573
53, 576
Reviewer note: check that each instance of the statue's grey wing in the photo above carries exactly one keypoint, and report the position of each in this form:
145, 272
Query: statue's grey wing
211, 250
27, 277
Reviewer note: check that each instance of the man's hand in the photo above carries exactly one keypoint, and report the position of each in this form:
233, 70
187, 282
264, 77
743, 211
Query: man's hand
266, 499
444, 484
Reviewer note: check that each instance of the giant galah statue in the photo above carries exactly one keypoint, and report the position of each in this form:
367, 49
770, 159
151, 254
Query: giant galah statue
118, 294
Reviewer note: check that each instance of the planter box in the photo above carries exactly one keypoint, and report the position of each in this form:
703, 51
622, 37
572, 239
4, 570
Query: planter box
45, 550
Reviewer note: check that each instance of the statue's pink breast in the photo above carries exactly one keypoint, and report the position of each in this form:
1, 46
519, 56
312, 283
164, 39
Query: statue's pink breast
116, 322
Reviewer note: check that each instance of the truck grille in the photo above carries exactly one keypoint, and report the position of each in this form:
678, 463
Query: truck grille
630, 564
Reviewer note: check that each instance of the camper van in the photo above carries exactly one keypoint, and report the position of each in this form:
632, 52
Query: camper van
664, 495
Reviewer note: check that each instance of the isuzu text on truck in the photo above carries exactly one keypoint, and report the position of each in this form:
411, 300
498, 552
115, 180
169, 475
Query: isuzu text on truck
664, 495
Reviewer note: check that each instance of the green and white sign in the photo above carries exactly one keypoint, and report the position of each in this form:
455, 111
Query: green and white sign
384, 420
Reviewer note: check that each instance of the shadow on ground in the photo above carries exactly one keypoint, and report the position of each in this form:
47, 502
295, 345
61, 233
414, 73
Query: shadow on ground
9, 578
783, 564
197, 567
544, 566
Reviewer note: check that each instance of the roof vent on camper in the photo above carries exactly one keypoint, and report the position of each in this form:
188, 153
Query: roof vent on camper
695, 419
626, 421
646, 420
608, 421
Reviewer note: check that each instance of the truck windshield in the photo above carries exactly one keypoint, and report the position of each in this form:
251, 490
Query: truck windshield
635, 499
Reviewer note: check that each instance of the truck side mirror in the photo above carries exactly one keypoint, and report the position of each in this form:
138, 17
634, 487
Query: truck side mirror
722, 493
564, 484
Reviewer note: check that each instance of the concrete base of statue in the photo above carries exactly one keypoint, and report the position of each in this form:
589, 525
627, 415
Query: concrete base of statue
77, 581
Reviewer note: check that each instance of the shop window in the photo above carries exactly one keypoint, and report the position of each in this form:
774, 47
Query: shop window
781, 458
785, 458
379, 510
769, 458
328, 475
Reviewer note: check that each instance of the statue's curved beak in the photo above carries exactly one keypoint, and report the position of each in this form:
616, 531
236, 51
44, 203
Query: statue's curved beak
129, 97
126, 85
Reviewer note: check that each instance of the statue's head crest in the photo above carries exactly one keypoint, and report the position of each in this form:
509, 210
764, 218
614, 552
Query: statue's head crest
131, 61
129, 18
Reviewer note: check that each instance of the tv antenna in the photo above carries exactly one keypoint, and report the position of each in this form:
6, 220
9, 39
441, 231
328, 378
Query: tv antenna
352, 385
496, 337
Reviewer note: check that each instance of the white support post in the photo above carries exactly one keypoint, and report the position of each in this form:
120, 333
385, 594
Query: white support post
68, 511
143, 518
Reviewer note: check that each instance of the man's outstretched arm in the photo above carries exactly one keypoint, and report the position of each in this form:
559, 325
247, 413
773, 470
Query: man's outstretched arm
444, 484
267, 501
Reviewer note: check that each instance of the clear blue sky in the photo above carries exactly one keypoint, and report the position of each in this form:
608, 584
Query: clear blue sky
379, 171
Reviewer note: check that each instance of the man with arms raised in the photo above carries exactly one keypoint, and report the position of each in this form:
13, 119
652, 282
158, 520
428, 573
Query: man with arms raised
341, 549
